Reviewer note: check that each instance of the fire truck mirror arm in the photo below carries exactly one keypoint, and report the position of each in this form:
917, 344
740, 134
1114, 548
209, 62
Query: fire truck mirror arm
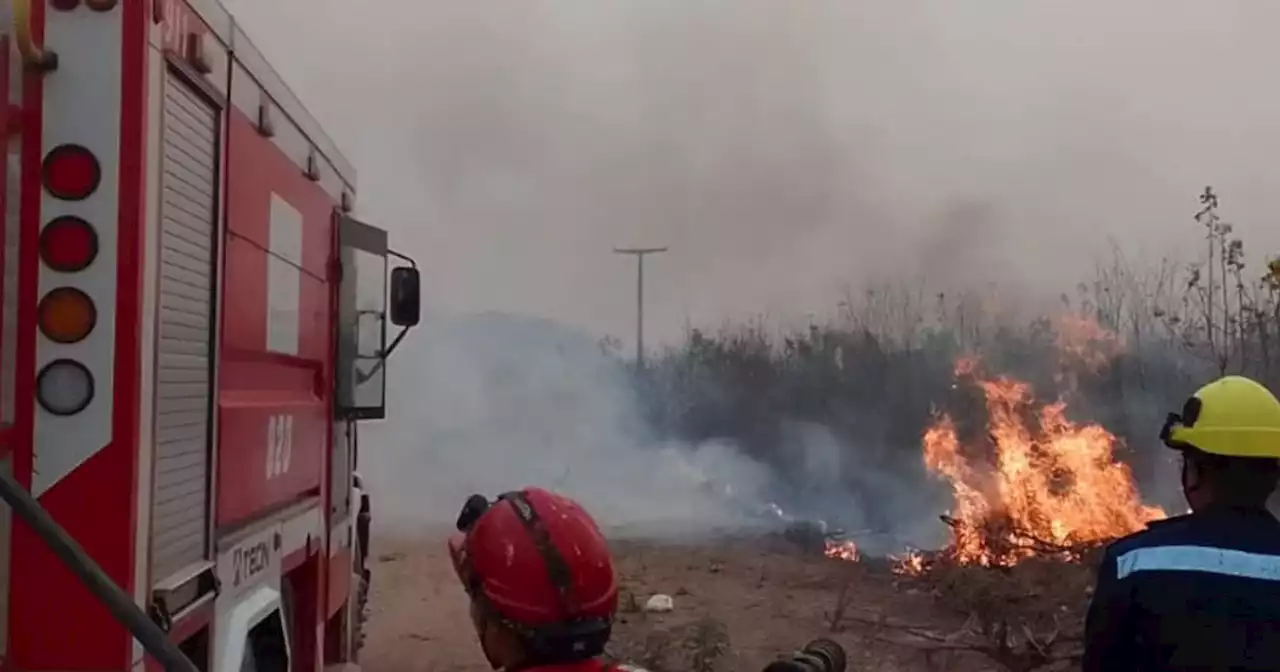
395, 342
119, 603
363, 377
34, 56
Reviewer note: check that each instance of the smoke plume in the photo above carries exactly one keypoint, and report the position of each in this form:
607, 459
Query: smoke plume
784, 150
492, 402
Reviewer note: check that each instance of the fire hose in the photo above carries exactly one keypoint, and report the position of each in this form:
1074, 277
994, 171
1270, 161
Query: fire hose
118, 602
820, 655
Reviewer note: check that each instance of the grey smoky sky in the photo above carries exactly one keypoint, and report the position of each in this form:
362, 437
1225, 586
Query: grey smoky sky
783, 148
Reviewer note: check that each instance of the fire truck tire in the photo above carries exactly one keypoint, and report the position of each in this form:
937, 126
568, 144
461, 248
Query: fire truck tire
362, 609
361, 576
359, 613
266, 650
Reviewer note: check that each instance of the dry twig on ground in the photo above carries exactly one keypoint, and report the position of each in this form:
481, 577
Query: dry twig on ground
1007, 543
835, 618
1027, 616
656, 650
1016, 648
708, 640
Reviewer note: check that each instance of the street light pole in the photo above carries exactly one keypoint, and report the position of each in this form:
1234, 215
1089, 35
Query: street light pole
639, 253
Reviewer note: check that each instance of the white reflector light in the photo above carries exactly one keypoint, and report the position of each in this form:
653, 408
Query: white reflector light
64, 387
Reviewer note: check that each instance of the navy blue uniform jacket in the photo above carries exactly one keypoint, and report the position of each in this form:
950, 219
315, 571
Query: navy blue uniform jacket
1195, 592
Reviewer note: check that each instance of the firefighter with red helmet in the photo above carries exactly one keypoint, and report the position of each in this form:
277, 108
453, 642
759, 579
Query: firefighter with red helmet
541, 582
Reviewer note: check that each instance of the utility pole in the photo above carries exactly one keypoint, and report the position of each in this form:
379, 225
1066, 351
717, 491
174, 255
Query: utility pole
639, 253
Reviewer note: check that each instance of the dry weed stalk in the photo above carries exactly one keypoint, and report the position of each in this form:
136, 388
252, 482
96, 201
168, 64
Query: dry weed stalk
654, 654
708, 640
835, 617
630, 603
1016, 648
1024, 617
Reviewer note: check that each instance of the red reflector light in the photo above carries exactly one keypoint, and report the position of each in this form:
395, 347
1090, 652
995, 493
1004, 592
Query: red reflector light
71, 172
68, 244
64, 5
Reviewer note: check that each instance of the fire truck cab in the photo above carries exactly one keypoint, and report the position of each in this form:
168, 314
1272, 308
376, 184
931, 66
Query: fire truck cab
192, 325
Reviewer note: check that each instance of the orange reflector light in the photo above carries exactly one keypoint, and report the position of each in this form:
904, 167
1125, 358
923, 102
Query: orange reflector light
68, 244
66, 315
64, 387
71, 172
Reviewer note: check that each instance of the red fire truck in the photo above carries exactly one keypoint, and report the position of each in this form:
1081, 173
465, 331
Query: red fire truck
192, 324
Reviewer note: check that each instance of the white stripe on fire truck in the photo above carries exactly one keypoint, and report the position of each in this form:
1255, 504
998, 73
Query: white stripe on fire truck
89, 70
150, 301
11, 232
284, 277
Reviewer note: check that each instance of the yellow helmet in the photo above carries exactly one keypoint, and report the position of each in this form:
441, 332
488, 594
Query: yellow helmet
1232, 416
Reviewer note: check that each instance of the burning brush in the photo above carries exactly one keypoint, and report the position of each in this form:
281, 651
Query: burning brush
1044, 487
811, 535
815, 537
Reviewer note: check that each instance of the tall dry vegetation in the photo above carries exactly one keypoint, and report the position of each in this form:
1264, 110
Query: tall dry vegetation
1126, 345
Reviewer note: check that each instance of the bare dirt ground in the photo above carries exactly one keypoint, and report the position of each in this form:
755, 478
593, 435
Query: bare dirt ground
738, 604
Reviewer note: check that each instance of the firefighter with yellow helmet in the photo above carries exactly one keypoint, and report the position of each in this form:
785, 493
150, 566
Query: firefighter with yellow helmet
1201, 591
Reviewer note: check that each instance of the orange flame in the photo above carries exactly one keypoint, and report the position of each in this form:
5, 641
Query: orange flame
842, 550
1048, 485
965, 366
911, 563
1084, 346
1083, 343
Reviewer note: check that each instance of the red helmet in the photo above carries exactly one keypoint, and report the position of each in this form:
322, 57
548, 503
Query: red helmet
540, 562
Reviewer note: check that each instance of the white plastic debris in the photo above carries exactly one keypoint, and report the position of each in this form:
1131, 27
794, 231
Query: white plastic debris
660, 604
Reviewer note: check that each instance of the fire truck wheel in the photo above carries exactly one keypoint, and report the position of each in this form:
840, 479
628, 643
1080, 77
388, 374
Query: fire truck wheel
266, 650
360, 578
362, 609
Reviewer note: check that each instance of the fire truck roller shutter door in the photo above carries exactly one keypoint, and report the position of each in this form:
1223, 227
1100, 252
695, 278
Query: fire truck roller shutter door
188, 211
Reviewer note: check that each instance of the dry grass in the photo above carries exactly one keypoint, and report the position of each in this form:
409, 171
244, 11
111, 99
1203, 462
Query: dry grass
1022, 618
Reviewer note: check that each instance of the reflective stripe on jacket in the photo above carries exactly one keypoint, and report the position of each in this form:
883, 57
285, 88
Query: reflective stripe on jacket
1195, 592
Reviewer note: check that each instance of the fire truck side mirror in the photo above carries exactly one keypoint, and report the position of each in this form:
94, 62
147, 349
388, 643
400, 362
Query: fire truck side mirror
406, 302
